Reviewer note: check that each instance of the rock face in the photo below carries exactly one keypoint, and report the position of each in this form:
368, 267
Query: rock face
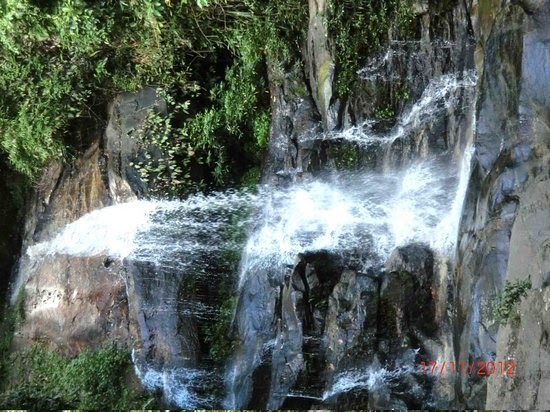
332, 325
321, 66
73, 303
505, 232
435, 65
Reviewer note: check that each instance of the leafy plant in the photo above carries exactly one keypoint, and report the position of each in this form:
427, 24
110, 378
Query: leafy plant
511, 295
12, 318
227, 136
346, 155
93, 380
385, 113
360, 28
61, 60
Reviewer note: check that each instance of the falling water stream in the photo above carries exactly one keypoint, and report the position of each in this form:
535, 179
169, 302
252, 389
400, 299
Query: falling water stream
339, 211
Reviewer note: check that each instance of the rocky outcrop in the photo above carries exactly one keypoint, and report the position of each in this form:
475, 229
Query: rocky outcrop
291, 152
306, 332
330, 326
433, 70
72, 303
505, 233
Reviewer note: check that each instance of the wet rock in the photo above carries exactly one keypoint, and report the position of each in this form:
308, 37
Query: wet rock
255, 327
385, 327
524, 338
327, 324
442, 43
295, 121
351, 321
166, 337
279, 322
408, 292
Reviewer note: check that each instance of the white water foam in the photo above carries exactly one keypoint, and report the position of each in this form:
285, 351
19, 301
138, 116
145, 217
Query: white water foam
437, 97
179, 385
110, 231
370, 210
149, 230
373, 377
446, 232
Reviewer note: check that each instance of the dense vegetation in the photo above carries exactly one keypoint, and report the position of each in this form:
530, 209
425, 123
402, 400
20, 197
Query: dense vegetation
40, 379
95, 379
63, 60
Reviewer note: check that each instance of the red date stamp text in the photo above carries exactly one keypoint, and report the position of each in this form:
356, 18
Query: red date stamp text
481, 368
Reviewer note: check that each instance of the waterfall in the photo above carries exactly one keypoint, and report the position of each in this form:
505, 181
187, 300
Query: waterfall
168, 246
365, 214
164, 244
374, 377
421, 202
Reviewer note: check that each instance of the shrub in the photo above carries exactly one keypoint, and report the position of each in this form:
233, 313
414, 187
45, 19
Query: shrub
40, 378
512, 294
60, 60
224, 137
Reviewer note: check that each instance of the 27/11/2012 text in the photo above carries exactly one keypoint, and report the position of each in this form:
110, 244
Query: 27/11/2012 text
471, 368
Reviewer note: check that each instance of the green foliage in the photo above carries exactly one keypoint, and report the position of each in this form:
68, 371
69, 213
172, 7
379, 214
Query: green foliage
227, 135
64, 59
168, 152
40, 378
512, 294
270, 33
346, 155
51, 62
385, 113
275, 33
251, 178
395, 95
261, 129
360, 28
217, 335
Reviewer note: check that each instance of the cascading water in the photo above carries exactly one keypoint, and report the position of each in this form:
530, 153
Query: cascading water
373, 378
173, 249
360, 215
